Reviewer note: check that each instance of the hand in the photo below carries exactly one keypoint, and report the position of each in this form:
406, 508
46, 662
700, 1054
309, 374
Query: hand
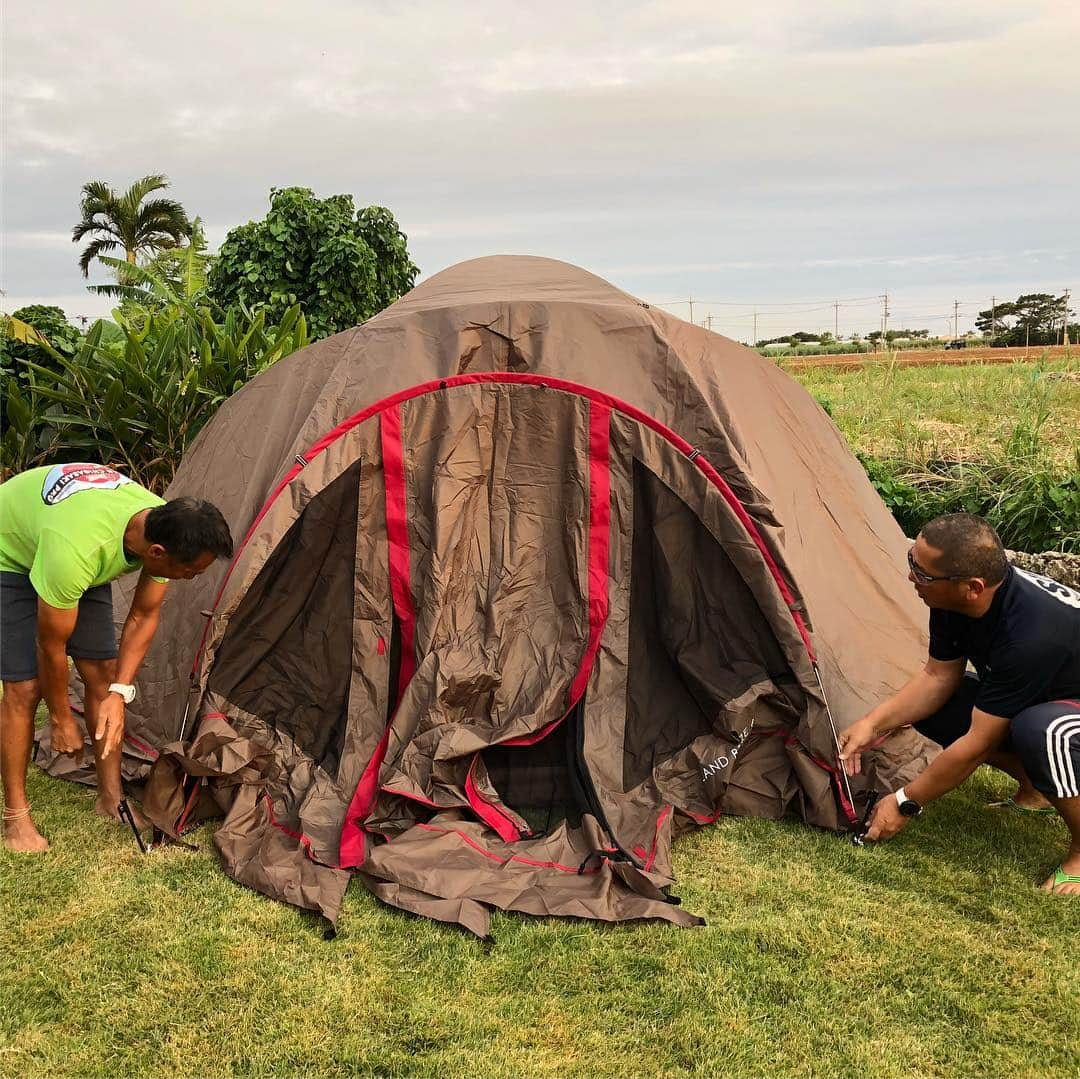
886, 821
857, 738
67, 738
110, 724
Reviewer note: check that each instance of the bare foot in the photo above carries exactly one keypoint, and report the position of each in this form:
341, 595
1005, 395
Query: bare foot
1033, 800
108, 806
22, 835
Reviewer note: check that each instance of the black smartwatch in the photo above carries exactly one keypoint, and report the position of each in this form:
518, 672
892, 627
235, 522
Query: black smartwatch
908, 806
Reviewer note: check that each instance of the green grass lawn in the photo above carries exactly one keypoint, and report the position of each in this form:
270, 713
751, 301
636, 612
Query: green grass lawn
954, 412
932, 955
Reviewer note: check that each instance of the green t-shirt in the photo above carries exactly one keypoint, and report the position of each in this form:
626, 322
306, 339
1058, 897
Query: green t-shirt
63, 525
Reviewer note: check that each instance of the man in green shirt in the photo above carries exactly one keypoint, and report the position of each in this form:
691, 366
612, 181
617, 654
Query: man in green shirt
66, 531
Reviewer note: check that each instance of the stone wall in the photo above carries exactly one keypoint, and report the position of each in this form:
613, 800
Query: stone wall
1063, 568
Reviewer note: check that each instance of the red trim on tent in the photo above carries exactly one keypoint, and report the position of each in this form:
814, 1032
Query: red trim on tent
599, 539
142, 746
513, 377
353, 845
413, 797
791, 740
512, 858
599, 543
536, 736
656, 837
397, 535
390, 407
490, 814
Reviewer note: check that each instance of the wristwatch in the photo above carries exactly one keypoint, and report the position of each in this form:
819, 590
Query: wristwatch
125, 692
908, 806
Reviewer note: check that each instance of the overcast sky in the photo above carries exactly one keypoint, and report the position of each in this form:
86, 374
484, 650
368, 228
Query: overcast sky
746, 154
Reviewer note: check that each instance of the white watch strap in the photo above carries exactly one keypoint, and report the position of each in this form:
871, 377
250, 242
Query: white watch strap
900, 796
126, 692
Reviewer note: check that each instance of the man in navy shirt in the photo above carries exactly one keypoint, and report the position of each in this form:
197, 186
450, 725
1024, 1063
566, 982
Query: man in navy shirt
1021, 713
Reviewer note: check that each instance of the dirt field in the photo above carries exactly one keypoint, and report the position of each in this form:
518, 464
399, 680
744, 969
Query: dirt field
920, 358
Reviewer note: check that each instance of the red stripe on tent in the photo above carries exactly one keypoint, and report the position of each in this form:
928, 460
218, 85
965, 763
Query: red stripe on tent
599, 543
397, 535
300, 837
490, 814
536, 736
353, 843
412, 797
599, 539
513, 377
390, 409
512, 858
142, 746
656, 838
791, 740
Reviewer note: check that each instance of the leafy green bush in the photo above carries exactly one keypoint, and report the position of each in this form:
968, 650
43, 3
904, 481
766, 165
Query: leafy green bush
137, 391
52, 324
1033, 508
342, 265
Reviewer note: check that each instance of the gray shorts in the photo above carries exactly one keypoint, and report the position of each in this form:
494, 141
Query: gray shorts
94, 636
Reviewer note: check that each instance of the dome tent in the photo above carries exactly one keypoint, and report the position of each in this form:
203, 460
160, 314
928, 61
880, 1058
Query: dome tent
530, 578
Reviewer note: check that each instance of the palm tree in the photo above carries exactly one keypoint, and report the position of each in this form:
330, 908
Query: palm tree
125, 222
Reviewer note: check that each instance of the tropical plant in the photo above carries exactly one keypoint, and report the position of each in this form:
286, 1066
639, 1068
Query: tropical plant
340, 264
128, 222
137, 392
171, 275
28, 333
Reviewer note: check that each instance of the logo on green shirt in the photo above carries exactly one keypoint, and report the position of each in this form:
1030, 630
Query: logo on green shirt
65, 480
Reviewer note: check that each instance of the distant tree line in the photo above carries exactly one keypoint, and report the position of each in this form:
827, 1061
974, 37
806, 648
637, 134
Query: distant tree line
1037, 318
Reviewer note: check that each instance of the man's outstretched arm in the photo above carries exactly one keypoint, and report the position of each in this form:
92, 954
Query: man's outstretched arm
918, 699
944, 773
139, 629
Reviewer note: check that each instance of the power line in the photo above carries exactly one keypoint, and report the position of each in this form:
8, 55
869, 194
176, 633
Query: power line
750, 303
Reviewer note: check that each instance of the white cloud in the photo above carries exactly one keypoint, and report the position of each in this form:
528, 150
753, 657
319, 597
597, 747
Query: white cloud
772, 147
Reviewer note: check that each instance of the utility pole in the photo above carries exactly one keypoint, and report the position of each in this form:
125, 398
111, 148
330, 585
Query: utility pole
993, 319
1065, 320
708, 323
755, 329
955, 319
836, 320
691, 308
884, 317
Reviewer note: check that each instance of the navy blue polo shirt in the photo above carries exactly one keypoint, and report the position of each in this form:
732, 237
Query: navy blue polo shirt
1026, 648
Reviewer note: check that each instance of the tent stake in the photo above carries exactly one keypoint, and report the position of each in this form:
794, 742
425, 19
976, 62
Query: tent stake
126, 815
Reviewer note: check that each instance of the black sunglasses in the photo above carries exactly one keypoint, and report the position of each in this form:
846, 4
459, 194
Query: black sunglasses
928, 578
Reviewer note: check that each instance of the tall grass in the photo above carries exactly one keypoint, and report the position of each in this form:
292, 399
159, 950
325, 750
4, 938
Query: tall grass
1000, 441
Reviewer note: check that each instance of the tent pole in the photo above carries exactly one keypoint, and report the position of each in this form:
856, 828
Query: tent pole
836, 739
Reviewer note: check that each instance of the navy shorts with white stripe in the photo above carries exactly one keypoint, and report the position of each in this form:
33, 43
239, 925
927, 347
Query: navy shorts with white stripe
1047, 739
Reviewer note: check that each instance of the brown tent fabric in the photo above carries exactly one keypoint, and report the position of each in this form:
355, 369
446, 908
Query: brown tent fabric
530, 579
